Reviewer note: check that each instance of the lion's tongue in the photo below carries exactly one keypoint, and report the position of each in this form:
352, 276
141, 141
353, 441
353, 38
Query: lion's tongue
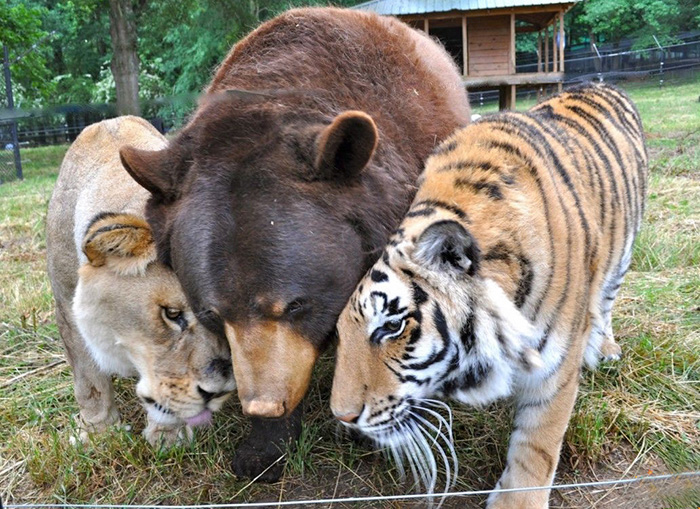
201, 419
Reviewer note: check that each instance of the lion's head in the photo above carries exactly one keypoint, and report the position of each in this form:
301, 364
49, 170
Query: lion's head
134, 317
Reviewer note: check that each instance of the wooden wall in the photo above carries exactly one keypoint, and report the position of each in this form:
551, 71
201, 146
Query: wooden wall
489, 45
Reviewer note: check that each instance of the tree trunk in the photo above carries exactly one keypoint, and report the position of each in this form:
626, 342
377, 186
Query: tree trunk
125, 59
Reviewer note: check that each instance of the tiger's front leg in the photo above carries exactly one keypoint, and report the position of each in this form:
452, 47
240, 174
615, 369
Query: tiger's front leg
541, 419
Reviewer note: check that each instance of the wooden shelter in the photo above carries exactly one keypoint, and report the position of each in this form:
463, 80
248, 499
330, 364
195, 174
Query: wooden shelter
481, 34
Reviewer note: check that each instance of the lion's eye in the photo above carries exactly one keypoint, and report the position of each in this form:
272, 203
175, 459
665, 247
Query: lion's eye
176, 316
172, 313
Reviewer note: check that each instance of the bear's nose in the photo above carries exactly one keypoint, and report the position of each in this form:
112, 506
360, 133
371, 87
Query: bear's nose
263, 408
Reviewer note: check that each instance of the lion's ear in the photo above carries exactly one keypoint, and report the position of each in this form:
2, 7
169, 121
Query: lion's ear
346, 146
157, 171
123, 242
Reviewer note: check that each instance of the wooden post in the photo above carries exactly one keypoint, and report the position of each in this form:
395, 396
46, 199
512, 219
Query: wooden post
562, 41
539, 51
465, 47
512, 45
555, 47
546, 49
510, 102
426, 26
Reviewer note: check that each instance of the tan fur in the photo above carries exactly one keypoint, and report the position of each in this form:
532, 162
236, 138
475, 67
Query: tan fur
112, 295
281, 365
550, 203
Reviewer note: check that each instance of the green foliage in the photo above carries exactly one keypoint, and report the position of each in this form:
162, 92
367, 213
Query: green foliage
613, 20
20, 30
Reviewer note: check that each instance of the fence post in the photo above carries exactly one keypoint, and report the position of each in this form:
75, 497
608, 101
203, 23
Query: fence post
661, 63
600, 63
10, 107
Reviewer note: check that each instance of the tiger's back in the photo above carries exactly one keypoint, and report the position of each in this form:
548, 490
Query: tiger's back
501, 279
578, 171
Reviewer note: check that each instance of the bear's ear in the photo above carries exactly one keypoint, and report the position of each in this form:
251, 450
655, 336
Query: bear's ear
345, 147
157, 171
123, 242
446, 247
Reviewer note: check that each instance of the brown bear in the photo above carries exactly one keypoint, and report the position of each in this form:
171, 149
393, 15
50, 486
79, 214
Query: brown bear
284, 186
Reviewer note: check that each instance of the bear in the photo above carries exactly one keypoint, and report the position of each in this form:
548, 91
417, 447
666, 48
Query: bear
284, 186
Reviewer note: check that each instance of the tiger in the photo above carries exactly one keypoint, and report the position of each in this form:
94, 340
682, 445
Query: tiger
499, 282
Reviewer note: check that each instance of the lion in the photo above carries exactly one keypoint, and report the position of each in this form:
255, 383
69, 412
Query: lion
120, 311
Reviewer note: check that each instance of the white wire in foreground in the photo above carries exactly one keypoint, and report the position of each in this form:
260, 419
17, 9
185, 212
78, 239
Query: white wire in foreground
360, 499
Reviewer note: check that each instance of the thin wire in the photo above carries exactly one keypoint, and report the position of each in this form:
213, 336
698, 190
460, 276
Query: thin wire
362, 499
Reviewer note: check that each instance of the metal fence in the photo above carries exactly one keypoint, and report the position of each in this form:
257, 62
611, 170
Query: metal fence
614, 64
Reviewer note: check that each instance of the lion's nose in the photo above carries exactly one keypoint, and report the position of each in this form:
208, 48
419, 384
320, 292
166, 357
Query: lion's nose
220, 366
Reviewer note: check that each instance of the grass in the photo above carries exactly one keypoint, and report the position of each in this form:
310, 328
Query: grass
632, 417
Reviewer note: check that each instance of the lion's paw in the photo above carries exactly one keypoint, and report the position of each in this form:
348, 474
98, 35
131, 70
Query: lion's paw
165, 436
84, 428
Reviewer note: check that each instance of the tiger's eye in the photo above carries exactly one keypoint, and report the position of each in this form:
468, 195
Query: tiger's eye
393, 325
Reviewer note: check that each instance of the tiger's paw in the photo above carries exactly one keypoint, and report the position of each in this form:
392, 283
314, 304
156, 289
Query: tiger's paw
518, 500
610, 350
165, 436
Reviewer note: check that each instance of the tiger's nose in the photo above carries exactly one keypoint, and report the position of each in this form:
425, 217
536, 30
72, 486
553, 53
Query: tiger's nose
349, 418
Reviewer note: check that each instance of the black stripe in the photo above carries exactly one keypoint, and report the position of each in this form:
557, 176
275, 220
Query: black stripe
419, 295
466, 334
378, 276
445, 147
499, 251
452, 208
415, 212
610, 141
524, 283
493, 190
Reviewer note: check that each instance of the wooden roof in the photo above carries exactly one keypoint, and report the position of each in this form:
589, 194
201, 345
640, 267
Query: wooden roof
407, 7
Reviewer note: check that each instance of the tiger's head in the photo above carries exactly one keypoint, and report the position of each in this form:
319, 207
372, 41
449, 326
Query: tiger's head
426, 321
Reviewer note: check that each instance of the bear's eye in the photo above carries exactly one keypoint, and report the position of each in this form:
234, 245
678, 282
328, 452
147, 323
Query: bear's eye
294, 307
176, 316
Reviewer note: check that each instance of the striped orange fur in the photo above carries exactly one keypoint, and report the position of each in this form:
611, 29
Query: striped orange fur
499, 282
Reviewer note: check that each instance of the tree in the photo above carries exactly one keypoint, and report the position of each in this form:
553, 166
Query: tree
641, 20
21, 31
125, 59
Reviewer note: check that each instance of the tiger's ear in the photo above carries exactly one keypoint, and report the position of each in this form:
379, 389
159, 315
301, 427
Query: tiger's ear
122, 242
345, 147
447, 247
157, 171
